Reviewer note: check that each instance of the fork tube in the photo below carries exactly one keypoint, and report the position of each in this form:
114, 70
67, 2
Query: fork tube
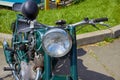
14, 73
47, 65
38, 75
73, 57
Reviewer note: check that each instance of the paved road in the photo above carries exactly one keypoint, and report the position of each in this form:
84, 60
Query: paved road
4, 75
100, 62
94, 63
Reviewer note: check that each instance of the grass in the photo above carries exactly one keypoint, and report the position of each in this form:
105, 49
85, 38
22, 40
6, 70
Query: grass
72, 14
108, 39
6, 18
0, 43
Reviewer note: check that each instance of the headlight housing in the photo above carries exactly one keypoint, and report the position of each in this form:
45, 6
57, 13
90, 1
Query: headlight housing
56, 42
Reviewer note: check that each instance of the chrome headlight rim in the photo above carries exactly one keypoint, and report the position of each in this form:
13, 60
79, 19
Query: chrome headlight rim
61, 31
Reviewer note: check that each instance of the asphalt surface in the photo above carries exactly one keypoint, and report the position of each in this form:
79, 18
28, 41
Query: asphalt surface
94, 62
4, 75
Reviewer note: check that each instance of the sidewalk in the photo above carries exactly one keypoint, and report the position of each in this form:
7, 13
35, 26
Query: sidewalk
100, 62
5, 36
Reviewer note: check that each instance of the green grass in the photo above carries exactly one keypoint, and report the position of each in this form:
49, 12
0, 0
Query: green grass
6, 18
72, 14
0, 43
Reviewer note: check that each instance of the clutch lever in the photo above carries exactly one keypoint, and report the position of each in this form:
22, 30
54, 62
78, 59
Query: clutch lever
89, 22
102, 23
95, 26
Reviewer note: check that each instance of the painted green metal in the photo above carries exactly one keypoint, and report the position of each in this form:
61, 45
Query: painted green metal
39, 34
60, 77
8, 55
73, 57
22, 56
47, 67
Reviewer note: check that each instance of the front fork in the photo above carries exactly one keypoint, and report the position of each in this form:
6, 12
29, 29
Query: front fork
73, 56
73, 60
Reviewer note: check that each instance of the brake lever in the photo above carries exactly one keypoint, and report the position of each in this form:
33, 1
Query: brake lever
91, 22
79, 28
95, 26
102, 23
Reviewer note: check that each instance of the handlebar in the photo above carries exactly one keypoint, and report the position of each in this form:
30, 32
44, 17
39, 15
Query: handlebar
85, 21
36, 24
91, 22
100, 20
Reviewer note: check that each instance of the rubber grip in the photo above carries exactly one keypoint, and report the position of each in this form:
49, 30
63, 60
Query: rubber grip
100, 20
7, 69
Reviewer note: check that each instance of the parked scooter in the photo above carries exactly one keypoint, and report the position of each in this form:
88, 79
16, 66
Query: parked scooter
35, 46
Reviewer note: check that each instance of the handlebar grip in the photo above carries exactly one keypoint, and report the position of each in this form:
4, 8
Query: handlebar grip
100, 20
7, 69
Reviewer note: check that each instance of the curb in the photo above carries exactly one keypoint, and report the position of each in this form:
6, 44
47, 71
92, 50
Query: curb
87, 38
97, 36
93, 37
7, 37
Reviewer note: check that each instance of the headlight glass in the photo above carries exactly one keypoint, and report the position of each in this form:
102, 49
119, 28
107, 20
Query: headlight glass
56, 42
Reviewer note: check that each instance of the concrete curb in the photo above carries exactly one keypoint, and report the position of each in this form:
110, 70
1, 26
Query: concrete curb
93, 37
97, 36
87, 38
5, 36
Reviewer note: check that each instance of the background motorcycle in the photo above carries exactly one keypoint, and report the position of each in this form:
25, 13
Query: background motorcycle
36, 47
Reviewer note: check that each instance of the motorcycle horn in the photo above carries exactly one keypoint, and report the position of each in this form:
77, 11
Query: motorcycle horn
30, 9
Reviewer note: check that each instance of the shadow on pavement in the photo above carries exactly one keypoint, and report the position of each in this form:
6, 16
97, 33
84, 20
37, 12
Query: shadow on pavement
7, 76
62, 67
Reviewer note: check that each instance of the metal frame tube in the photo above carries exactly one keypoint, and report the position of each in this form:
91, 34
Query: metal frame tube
73, 57
47, 66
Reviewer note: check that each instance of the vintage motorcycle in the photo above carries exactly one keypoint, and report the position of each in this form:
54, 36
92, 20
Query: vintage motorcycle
35, 47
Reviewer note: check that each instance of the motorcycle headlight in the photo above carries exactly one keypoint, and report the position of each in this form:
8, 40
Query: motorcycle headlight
56, 42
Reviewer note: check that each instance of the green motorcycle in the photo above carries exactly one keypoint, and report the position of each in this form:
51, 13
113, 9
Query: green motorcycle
35, 47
